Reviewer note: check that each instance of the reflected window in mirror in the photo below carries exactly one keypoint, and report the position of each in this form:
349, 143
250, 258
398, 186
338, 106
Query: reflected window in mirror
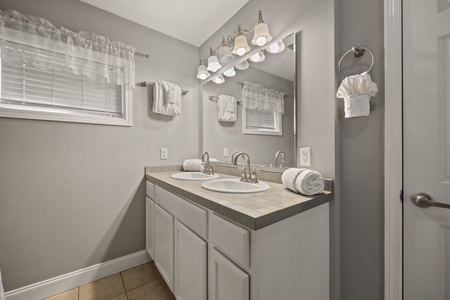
266, 122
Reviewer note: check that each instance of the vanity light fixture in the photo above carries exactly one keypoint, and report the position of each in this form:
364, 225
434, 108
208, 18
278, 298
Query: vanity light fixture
225, 55
238, 42
213, 62
276, 47
258, 57
230, 72
219, 79
262, 35
202, 72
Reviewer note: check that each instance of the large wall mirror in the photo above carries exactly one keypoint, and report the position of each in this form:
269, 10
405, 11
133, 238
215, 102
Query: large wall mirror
276, 72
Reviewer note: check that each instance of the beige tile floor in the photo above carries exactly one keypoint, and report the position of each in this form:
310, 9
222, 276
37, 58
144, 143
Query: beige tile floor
139, 283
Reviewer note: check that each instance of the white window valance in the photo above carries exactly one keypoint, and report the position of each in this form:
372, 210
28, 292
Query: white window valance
82, 53
255, 96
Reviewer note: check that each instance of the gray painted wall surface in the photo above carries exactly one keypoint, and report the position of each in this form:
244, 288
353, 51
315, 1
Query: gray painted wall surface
261, 148
73, 195
361, 158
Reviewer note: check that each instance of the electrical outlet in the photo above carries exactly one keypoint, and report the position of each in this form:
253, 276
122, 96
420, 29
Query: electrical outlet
305, 156
164, 153
225, 152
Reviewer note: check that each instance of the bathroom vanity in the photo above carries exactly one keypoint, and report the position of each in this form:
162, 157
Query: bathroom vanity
219, 246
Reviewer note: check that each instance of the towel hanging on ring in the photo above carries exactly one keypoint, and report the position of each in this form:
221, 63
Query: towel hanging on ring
356, 91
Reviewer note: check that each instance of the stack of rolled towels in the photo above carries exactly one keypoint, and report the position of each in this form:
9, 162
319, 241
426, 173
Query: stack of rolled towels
195, 164
303, 181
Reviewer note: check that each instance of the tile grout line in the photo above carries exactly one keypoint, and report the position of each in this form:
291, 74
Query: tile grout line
123, 283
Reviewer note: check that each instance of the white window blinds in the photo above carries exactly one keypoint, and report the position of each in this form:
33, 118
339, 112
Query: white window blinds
264, 119
55, 74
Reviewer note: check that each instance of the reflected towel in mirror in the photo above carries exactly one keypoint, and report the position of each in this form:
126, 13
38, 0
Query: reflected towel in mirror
226, 108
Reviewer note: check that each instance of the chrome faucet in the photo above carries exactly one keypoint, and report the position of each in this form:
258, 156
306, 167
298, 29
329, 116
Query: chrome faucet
247, 175
207, 168
276, 158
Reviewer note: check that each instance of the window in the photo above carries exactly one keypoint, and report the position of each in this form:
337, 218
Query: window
55, 74
58, 94
256, 121
262, 110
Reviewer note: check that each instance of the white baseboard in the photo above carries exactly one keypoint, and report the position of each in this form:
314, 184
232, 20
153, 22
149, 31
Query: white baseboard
71, 280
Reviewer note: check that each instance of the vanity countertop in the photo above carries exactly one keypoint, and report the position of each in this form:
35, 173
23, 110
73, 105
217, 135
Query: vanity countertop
253, 210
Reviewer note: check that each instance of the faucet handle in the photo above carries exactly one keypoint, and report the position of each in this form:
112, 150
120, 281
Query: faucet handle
253, 176
211, 170
244, 174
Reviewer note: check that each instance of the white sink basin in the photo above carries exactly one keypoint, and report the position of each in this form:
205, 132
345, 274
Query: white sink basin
193, 176
234, 186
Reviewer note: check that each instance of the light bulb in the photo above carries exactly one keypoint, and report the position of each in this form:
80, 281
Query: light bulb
261, 41
255, 57
274, 47
219, 79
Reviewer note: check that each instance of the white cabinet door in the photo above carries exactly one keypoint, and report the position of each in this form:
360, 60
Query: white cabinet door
164, 244
190, 264
227, 281
150, 227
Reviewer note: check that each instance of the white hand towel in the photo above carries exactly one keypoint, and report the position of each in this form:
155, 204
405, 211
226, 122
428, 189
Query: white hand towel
356, 91
226, 108
166, 98
309, 182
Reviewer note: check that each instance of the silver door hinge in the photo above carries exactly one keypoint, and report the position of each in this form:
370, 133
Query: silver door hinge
401, 196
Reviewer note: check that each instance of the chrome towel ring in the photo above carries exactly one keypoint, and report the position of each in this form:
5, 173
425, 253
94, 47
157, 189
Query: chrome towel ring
357, 52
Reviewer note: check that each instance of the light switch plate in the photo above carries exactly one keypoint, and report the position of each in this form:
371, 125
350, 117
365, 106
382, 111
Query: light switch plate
225, 152
305, 157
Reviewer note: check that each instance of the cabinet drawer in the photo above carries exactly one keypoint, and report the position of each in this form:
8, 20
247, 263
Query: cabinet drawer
192, 216
150, 190
232, 240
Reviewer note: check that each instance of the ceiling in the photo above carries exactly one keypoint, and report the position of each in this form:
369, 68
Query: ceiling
190, 21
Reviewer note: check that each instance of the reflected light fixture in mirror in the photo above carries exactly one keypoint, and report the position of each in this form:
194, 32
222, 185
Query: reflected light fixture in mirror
230, 72
242, 65
219, 79
276, 47
258, 57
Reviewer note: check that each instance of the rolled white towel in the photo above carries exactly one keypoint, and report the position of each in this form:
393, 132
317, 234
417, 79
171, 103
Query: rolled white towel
192, 165
289, 176
309, 182
195, 164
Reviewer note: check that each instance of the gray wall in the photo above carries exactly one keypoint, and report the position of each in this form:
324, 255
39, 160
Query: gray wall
261, 148
361, 158
72, 195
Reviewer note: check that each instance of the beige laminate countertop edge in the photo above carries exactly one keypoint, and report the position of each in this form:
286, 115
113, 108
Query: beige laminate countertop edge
254, 211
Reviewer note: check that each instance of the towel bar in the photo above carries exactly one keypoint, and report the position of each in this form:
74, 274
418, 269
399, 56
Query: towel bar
215, 98
357, 52
146, 84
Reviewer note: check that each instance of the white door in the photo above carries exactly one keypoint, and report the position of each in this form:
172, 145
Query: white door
190, 264
426, 108
164, 244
